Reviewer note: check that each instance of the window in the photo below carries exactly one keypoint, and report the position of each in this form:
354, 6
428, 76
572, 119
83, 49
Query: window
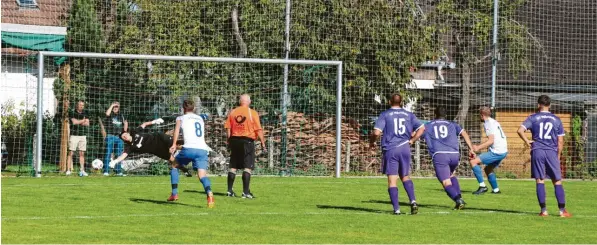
27, 3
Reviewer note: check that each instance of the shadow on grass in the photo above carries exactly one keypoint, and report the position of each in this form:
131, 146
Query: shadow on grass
450, 207
140, 200
349, 208
203, 192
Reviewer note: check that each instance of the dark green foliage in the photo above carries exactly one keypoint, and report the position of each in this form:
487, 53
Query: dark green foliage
18, 130
377, 40
84, 29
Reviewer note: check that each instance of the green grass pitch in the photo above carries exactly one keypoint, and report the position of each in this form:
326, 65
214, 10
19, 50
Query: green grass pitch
286, 210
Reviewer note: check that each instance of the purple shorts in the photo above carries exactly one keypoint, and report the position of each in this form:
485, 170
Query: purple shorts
396, 161
545, 163
445, 164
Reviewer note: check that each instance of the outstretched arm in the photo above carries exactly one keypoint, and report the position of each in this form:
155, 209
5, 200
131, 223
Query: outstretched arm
119, 159
156, 122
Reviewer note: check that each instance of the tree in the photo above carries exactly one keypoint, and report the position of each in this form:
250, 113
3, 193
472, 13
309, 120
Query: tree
377, 41
470, 24
378, 44
85, 31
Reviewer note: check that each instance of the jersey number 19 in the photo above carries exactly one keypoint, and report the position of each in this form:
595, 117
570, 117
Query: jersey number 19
443, 131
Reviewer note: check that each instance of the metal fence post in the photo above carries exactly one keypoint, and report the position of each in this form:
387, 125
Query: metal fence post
40, 113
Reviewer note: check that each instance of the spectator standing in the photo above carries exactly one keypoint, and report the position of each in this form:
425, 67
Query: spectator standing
115, 123
79, 128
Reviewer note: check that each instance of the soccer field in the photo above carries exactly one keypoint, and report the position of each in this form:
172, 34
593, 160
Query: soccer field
286, 210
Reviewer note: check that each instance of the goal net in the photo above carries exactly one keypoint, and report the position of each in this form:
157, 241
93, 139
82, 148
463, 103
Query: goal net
300, 131
436, 53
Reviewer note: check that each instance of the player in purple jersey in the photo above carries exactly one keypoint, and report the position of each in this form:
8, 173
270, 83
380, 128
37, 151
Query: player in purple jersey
546, 150
397, 126
441, 137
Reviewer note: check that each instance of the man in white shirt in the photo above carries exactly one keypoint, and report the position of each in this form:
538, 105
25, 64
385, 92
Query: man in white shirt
194, 150
498, 150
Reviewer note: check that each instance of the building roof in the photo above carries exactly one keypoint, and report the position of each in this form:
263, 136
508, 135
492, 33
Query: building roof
48, 13
48, 18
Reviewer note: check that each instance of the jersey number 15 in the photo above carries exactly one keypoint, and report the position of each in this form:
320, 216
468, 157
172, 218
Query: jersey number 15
399, 127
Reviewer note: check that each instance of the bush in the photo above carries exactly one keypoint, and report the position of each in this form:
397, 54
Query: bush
18, 130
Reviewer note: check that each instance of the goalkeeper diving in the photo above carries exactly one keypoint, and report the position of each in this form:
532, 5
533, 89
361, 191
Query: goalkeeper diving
157, 144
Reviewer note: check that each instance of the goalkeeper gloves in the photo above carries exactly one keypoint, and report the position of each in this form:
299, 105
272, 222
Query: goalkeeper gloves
157, 121
113, 164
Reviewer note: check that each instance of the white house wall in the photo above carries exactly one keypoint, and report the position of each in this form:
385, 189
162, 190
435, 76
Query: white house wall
21, 88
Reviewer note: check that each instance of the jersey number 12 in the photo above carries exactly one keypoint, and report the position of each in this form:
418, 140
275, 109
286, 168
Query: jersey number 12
548, 127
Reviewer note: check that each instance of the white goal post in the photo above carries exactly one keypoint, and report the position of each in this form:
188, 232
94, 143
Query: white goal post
40, 76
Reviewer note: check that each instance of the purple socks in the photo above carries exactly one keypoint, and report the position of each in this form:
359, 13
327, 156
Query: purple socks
452, 193
393, 191
455, 184
410, 190
541, 196
560, 197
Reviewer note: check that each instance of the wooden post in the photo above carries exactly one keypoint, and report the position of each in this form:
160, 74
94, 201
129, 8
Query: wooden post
64, 74
347, 167
270, 153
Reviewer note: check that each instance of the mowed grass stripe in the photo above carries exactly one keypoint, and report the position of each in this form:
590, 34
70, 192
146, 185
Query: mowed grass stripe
286, 210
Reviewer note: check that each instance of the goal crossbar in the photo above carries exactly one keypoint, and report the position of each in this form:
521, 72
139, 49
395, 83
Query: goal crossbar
42, 54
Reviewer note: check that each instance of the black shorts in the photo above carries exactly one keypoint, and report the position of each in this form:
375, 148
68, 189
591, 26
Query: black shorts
242, 153
163, 151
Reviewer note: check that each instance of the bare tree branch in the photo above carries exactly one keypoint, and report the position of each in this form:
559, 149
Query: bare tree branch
535, 40
477, 61
241, 43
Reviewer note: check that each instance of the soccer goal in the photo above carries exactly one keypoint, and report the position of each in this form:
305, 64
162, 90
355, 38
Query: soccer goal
300, 111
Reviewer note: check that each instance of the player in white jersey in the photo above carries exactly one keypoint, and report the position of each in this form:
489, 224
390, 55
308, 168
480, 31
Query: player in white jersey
498, 150
194, 150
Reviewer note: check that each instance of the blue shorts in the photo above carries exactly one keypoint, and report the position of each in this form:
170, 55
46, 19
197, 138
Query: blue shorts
492, 159
197, 156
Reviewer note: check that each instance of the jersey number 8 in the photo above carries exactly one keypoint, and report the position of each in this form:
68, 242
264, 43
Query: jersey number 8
198, 130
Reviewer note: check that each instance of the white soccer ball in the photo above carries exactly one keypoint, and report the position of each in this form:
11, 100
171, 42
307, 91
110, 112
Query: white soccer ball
97, 164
